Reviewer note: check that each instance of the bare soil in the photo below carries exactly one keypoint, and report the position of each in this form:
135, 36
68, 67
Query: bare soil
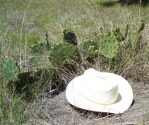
57, 111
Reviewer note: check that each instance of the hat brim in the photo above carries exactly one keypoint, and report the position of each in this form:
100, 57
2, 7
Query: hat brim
125, 98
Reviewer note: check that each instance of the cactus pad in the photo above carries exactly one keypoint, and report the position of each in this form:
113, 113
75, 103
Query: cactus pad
70, 37
62, 52
89, 48
40, 48
108, 46
10, 69
117, 33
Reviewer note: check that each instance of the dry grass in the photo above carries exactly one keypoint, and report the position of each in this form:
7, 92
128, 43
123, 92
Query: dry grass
56, 110
20, 20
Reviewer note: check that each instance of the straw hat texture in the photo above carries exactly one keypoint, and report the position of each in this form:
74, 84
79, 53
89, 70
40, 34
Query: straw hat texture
100, 92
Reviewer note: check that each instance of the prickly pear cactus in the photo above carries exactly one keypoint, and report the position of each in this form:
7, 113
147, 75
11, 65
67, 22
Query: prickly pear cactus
119, 35
62, 52
40, 48
108, 46
70, 37
142, 26
89, 48
10, 69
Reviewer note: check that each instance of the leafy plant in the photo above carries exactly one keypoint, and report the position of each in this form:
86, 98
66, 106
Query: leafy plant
61, 53
10, 69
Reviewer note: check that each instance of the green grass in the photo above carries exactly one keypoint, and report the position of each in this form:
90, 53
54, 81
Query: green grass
24, 23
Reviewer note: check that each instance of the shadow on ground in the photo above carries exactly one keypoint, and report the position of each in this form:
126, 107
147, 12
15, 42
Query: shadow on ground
32, 83
91, 114
57, 110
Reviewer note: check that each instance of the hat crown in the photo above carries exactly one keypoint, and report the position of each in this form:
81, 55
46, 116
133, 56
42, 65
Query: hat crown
99, 88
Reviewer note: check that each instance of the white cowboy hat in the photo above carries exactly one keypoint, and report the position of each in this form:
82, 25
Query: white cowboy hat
100, 92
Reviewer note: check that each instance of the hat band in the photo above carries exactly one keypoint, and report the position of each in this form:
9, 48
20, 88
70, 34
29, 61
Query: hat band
92, 100
105, 98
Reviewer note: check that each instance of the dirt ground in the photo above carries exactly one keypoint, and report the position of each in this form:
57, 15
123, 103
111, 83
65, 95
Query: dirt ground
57, 111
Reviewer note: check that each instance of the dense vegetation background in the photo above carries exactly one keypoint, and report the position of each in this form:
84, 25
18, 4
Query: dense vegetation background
44, 44
142, 2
